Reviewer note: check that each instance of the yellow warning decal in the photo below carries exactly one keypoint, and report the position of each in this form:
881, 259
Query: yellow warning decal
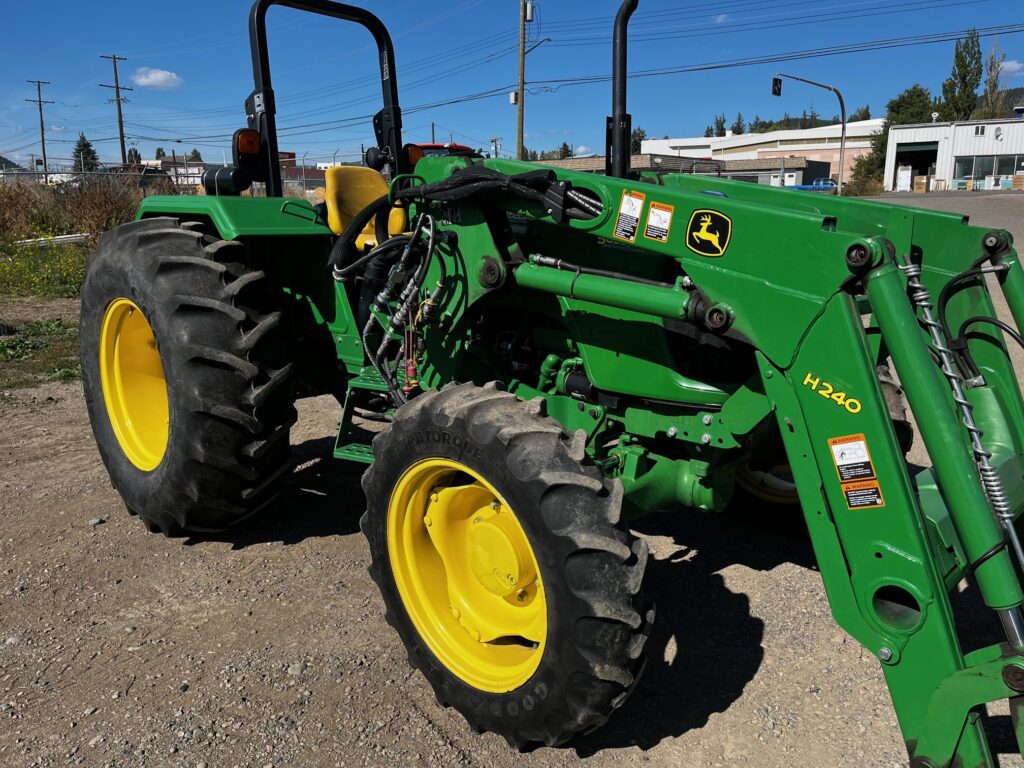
628, 221
863, 495
659, 221
851, 457
852, 461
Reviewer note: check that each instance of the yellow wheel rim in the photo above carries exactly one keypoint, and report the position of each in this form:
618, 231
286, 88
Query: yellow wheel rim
467, 575
134, 388
775, 486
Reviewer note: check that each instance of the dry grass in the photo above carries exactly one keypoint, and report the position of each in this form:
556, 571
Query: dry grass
29, 210
860, 187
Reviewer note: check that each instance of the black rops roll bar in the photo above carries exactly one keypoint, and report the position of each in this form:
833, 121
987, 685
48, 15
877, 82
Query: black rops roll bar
260, 107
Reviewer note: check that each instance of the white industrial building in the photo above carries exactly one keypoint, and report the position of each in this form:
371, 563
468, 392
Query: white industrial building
969, 155
815, 144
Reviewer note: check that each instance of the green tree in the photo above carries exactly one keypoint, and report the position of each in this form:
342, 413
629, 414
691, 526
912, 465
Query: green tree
739, 125
194, 155
960, 89
860, 113
564, 151
709, 132
636, 140
993, 102
756, 125
719, 125
160, 154
84, 156
914, 105
134, 158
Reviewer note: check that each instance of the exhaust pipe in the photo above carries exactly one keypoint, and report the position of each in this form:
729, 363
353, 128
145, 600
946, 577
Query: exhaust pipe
620, 124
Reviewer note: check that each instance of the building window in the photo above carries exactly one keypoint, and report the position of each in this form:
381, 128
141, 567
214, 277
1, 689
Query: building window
984, 165
979, 130
963, 168
1005, 165
1020, 165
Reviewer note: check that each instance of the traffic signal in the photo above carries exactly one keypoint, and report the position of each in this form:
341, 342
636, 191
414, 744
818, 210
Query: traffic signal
776, 86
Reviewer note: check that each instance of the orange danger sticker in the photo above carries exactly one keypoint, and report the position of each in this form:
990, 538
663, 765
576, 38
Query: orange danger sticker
628, 221
863, 495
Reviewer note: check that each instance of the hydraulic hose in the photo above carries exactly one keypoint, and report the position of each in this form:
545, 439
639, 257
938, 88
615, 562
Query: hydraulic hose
344, 249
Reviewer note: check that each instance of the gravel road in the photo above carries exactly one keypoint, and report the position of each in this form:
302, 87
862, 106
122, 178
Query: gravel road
269, 647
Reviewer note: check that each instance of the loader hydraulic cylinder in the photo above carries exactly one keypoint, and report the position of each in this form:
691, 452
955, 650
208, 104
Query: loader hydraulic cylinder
672, 302
928, 396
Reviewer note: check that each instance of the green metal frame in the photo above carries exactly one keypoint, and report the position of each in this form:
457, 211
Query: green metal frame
806, 335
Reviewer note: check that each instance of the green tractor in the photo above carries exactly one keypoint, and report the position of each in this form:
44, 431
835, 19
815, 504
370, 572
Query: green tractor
553, 353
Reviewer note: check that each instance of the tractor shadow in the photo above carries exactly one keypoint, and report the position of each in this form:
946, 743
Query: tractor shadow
706, 645
321, 498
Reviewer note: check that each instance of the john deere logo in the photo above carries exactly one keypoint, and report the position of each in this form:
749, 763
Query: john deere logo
708, 233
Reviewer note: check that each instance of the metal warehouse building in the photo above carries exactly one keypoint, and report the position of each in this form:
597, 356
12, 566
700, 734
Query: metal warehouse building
974, 154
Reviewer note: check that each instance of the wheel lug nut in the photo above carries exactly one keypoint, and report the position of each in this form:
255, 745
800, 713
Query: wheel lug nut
455, 612
427, 521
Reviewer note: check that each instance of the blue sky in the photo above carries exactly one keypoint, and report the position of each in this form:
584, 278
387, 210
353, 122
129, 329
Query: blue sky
188, 63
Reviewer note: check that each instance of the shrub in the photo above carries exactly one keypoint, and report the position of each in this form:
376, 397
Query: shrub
92, 206
860, 187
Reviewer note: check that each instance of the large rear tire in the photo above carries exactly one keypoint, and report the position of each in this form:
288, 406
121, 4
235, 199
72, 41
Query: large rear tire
496, 547
186, 376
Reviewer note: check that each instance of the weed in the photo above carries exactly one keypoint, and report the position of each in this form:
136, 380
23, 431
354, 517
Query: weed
51, 272
41, 350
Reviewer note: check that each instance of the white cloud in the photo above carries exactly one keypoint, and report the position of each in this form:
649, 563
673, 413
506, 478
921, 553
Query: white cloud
583, 150
146, 77
721, 18
1012, 68
57, 128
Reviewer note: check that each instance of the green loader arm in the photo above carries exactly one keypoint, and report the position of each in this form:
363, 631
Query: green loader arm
822, 291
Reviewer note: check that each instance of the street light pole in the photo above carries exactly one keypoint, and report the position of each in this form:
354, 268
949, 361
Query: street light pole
777, 91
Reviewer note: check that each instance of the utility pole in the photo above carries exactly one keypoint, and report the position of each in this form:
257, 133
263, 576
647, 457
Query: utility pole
495, 145
118, 99
433, 136
38, 100
520, 107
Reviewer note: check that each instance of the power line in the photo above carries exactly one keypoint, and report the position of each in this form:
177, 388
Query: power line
42, 125
812, 53
819, 17
118, 99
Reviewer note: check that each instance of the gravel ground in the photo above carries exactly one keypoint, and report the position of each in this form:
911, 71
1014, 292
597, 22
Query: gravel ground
269, 647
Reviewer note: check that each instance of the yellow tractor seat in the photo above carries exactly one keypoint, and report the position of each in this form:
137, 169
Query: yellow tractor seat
350, 188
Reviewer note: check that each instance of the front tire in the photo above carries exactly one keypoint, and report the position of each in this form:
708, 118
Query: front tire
186, 376
496, 547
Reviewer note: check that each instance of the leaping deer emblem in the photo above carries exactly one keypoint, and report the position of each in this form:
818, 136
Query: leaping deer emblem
704, 233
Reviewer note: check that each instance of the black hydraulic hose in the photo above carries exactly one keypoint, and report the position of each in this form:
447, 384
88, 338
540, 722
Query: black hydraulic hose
431, 302
394, 244
958, 345
345, 246
1004, 327
550, 261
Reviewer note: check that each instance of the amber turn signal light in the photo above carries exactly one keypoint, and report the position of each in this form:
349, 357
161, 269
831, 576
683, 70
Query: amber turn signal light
247, 142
